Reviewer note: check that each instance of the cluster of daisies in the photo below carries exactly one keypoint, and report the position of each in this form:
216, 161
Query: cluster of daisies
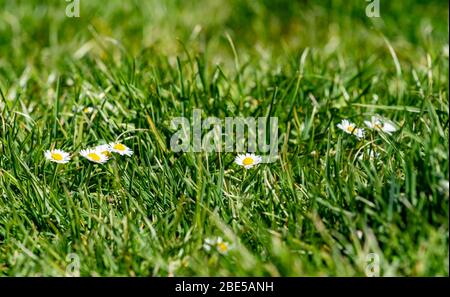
376, 123
99, 154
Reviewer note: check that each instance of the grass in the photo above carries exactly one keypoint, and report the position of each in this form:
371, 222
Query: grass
318, 211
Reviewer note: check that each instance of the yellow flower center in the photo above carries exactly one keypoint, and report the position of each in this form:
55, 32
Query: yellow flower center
106, 153
87, 109
57, 157
94, 157
248, 161
223, 247
351, 129
119, 147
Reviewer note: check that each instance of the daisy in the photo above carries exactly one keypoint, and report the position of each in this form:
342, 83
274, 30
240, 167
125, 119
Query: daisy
57, 156
370, 153
117, 147
94, 155
248, 160
350, 128
104, 149
377, 123
219, 244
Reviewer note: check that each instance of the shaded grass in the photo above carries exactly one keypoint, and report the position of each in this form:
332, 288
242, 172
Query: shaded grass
306, 64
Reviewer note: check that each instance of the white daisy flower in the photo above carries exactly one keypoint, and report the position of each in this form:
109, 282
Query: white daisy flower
248, 160
222, 246
104, 149
219, 244
350, 128
117, 147
57, 156
94, 155
377, 123
209, 242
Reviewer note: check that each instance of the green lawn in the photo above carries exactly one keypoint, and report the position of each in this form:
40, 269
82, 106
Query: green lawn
319, 210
